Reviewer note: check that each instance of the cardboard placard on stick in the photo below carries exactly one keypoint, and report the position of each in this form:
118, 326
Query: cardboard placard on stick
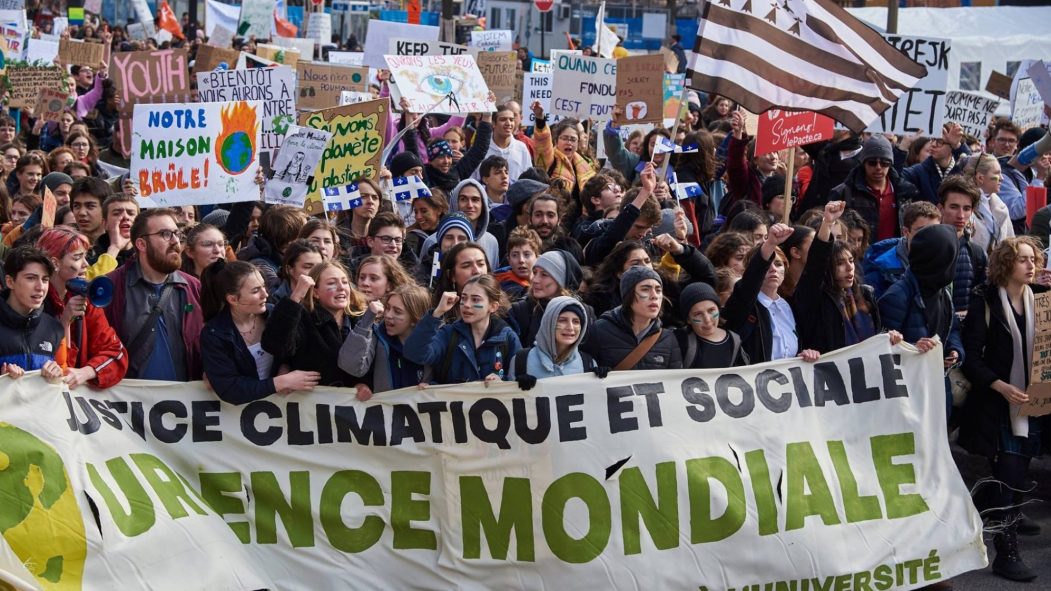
640, 89
320, 85
138, 74
82, 53
25, 83
780, 129
999, 84
210, 58
50, 104
499, 70
301, 151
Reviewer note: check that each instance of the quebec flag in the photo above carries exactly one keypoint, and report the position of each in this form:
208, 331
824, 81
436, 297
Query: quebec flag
407, 188
342, 198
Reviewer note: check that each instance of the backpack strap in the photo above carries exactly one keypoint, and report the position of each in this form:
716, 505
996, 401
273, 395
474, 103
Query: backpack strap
447, 360
736, 340
640, 351
520, 362
691, 350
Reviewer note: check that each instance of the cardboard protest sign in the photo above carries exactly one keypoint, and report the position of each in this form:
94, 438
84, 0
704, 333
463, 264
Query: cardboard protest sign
194, 154
277, 54
320, 84
139, 74
587, 86
26, 81
779, 129
304, 46
425, 80
1027, 110
274, 87
920, 109
215, 58
354, 151
346, 58
82, 53
492, 40
50, 104
256, 19
807, 476
1039, 389
401, 46
377, 40
499, 69
673, 85
999, 84
640, 89
969, 110
301, 151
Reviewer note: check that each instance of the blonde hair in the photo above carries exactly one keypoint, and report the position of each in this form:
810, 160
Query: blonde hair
356, 304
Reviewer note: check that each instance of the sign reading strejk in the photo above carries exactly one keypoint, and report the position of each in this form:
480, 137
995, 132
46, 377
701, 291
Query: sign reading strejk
920, 109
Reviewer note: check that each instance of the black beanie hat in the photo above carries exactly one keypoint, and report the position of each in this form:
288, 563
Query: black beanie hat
402, 162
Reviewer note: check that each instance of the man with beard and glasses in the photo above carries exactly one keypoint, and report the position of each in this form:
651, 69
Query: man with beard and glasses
156, 308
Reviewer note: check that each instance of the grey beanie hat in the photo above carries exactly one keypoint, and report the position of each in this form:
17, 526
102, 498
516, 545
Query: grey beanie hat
54, 179
562, 267
217, 217
633, 277
875, 147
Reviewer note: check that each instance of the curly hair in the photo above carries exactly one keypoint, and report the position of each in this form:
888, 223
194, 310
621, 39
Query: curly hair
1004, 257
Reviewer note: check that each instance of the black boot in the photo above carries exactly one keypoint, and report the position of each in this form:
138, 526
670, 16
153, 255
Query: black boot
1008, 563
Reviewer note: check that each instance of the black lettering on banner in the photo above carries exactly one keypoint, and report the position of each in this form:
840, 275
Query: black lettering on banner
695, 391
858, 386
459, 422
567, 416
828, 384
107, 415
498, 434
653, 404
160, 431
324, 423
349, 430
91, 422
618, 403
434, 411
526, 433
405, 424
802, 394
205, 414
762, 391
893, 381
248, 422
296, 435
722, 394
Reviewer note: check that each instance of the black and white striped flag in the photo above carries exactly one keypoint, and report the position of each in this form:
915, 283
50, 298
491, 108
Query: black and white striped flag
804, 55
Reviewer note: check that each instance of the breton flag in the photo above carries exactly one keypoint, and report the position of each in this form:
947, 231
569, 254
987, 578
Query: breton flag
342, 197
407, 188
803, 55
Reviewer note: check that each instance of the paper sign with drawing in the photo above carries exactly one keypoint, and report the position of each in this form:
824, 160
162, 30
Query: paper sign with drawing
425, 80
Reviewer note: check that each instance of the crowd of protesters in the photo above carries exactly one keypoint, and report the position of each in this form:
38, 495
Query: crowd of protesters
533, 258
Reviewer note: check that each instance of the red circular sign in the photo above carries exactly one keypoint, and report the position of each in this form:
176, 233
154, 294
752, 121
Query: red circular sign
544, 5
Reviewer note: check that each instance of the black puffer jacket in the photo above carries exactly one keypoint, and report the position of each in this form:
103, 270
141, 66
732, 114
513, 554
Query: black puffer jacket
612, 339
309, 341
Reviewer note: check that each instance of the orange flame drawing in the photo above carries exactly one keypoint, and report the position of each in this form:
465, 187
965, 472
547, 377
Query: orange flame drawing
235, 148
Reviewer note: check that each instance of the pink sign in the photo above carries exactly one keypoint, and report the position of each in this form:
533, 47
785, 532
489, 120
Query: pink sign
786, 129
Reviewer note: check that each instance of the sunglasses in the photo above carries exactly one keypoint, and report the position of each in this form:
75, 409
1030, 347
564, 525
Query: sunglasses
879, 163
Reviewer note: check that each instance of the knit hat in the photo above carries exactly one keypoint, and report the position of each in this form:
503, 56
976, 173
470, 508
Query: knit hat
54, 179
454, 220
402, 162
877, 147
562, 267
694, 293
438, 148
521, 190
633, 277
774, 187
217, 217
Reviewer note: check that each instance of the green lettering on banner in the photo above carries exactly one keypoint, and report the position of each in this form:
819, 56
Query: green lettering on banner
214, 485
765, 504
140, 515
891, 476
168, 486
703, 527
516, 514
661, 516
404, 509
804, 471
270, 502
857, 507
342, 537
589, 490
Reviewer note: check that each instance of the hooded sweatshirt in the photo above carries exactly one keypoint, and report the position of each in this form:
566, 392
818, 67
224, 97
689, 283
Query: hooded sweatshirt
486, 240
540, 362
932, 260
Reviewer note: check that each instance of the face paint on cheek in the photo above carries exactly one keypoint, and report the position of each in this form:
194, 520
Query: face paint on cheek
477, 306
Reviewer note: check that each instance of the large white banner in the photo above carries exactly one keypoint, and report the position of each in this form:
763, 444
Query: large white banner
835, 474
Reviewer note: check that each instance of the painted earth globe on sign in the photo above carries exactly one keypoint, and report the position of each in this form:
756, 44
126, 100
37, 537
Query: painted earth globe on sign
237, 152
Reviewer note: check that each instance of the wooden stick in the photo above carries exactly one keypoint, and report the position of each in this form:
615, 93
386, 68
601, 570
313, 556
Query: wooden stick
788, 183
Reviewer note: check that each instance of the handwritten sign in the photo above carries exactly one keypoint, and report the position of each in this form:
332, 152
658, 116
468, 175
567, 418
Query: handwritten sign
82, 53
1027, 110
779, 129
319, 27
921, 108
301, 151
354, 151
215, 58
195, 154
377, 39
25, 83
305, 47
969, 110
346, 58
1039, 390
424, 80
278, 54
499, 70
402, 46
492, 40
320, 84
587, 86
640, 89
138, 74
349, 97
536, 87
274, 87
51, 103
256, 18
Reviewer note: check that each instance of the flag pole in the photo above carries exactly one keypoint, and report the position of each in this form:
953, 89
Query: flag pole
788, 183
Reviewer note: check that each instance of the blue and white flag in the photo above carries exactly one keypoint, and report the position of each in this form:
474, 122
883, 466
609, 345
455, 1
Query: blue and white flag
688, 191
687, 149
407, 188
342, 198
663, 145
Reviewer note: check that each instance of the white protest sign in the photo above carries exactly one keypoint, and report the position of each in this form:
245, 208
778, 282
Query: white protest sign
377, 40
786, 475
349, 97
40, 50
319, 27
587, 86
346, 58
424, 80
399, 46
495, 40
145, 17
301, 150
189, 154
970, 110
14, 29
221, 37
1038, 73
920, 109
256, 19
275, 87
537, 87
540, 66
1028, 108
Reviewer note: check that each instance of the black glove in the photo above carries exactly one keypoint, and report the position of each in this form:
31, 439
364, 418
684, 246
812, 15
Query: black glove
526, 381
601, 371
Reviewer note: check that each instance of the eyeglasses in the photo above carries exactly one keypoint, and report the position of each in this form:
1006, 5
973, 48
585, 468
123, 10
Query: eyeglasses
390, 239
879, 163
569, 139
211, 243
1007, 140
937, 142
168, 235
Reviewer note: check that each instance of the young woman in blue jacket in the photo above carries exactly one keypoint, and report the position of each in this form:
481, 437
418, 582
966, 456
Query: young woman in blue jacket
478, 346
233, 301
